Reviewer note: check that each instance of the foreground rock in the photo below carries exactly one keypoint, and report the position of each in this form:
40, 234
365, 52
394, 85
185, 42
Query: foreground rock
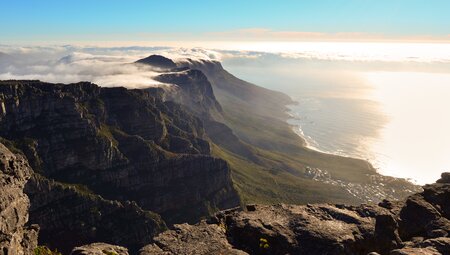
187, 239
99, 249
15, 237
419, 225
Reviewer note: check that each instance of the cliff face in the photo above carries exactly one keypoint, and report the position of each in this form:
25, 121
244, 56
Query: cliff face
120, 144
196, 92
418, 225
15, 237
261, 100
72, 215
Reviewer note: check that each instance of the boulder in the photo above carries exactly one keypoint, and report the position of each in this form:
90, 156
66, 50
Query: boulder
184, 239
99, 249
445, 178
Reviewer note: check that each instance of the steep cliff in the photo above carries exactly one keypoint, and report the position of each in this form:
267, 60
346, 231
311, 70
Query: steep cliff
418, 225
72, 215
120, 144
16, 237
196, 92
228, 87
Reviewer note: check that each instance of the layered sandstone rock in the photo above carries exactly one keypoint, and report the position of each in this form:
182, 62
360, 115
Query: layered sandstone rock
15, 237
120, 144
99, 249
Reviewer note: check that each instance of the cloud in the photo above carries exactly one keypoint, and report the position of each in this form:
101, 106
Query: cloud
105, 66
111, 66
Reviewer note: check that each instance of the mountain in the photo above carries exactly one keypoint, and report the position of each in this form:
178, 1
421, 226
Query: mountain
269, 162
158, 61
196, 92
92, 146
120, 166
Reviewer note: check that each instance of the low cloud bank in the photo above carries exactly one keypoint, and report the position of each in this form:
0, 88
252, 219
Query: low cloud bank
108, 67
112, 66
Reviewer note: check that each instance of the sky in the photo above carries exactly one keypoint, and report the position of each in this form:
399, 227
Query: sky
314, 45
69, 21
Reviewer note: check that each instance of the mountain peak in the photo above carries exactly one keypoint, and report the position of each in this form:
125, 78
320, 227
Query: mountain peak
158, 61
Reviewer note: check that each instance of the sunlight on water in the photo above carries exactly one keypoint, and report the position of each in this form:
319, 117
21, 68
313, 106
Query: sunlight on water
381, 102
415, 142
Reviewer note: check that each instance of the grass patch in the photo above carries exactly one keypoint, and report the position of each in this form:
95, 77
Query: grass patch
258, 184
105, 131
44, 250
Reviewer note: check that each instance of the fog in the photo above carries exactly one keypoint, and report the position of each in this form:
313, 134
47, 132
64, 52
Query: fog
108, 67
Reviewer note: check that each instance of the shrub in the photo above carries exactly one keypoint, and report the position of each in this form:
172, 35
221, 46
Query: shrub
263, 243
109, 252
44, 250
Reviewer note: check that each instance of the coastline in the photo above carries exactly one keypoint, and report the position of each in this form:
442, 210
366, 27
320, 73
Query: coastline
376, 166
297, 129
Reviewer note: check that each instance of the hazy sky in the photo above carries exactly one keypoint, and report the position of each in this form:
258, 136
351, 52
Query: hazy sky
68, 21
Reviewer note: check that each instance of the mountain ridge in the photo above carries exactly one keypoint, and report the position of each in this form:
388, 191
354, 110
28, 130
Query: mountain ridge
115, 143
266, 150
166, 155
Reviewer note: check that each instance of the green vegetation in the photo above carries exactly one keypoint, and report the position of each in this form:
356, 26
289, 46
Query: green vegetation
278, 143
109, 252
11, 145
274, 172
18, 145
44, 250
263, 243
105, 131
256, 183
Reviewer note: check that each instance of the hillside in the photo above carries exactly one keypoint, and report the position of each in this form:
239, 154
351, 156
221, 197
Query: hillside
270, 162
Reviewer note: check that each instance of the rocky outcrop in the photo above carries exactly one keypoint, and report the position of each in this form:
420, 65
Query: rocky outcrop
434, 246
15, 237
311, 229
124, 145
202, 238
99, 249
419, 225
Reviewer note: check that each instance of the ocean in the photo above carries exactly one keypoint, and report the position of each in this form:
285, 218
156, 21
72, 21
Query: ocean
395, 114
